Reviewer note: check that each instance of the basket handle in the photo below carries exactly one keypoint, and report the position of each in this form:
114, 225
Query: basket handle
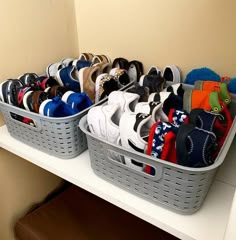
120, 151
30, 120
127, 155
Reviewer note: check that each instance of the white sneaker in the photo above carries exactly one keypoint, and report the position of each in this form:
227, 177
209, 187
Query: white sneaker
125, 100
52, 69
134, 132
152, 108
104, 123
158, 97
67, 61
172, 74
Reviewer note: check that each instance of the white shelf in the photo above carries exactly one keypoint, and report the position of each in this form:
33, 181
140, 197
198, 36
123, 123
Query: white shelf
210, 222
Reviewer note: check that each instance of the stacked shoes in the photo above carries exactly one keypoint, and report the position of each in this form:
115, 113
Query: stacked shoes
161, 127
89, 73
42, 95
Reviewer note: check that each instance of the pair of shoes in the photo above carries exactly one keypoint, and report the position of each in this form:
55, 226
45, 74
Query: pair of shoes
134, 68
155, 80
52, 69
107, 83
86, 57
68, 77
71, 103
100, 59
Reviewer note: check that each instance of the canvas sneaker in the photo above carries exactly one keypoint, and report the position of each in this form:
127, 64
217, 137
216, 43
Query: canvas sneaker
100, 59
105, 84
53, 68
135, 70
155, 83
154, 71
88, 76
121, 76
172, 74
69, 77
104, 67
120, 63
134, 132
66, 62
55, 108
77, 101
86, 57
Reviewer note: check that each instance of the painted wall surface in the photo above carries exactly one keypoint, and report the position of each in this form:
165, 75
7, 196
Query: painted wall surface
188, 33
32, 34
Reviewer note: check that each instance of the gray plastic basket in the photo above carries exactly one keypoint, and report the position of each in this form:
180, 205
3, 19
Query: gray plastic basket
181, 189
59, 137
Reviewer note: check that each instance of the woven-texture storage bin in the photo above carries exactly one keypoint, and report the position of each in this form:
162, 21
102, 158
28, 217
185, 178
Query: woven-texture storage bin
181, 189
59, 137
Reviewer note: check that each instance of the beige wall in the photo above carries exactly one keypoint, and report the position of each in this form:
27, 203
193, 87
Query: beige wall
33, 34
187, 33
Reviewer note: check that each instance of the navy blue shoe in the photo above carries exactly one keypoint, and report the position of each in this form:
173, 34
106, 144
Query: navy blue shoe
195, 147
69, 77
81, 64
77, 101
55, 108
